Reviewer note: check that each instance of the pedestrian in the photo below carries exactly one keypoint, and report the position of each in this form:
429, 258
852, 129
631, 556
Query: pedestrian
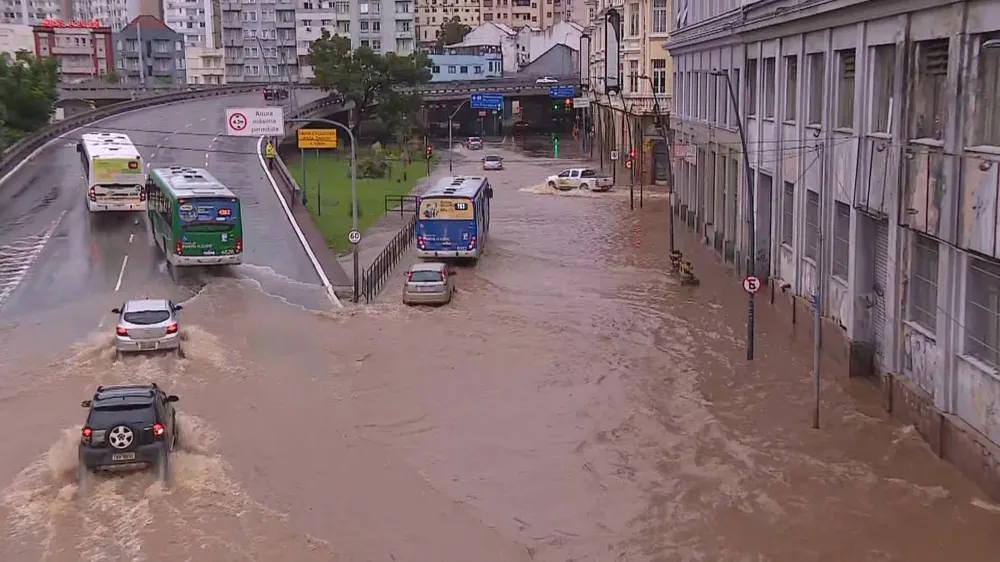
269, 155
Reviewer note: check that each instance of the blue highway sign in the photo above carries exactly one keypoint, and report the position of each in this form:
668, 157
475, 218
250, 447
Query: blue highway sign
486, 101
562, 92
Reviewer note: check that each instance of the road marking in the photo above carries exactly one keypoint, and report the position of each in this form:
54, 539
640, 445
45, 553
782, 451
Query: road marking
188, 126
17, 258
209, 153
131, 236
151, 156
121, 274
203, 119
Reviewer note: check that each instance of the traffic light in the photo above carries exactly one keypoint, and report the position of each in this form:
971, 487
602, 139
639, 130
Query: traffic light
569, 104
430, 152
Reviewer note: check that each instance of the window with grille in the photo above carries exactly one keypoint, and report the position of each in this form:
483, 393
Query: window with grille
982, 311
841, 239
769, 88
787, 213
817, 87
751, 109
713, 98
987, 110
845, 89
883, 87
811, 249
791, 88
922, 295
930, 89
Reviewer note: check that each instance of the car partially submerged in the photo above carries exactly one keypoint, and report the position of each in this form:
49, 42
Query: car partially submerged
128, 427
493, 162
429, 283
147, 325
580, 178
474, 143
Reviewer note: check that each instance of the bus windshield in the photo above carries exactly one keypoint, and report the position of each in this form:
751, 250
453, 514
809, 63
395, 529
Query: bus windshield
217, 214
447, 208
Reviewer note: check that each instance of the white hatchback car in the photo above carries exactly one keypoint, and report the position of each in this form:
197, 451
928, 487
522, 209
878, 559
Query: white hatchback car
429, 283
147, 325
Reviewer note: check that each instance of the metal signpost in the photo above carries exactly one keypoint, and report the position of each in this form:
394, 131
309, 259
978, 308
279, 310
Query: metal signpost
354, 195
255, 121
315, 139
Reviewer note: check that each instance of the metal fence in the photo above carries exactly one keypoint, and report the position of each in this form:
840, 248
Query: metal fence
401, 204
374, 278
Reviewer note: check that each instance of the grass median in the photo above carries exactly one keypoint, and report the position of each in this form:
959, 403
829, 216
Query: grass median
328, 192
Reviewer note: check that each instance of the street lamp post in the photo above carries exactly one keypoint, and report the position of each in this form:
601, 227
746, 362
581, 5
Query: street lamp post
668, 135
354, 194
751, 222
451, 153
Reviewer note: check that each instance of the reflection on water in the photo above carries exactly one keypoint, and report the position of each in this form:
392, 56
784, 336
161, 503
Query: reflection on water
573, 403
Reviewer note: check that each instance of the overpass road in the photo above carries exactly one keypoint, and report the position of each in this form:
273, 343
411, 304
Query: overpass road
54, 252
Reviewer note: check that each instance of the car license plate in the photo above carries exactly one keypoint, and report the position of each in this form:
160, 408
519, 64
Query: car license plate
147, 345
209, 252
123, 457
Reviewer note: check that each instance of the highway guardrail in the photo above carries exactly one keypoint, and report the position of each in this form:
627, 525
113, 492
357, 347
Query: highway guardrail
22, 149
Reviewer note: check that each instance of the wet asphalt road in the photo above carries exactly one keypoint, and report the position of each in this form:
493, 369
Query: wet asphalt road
573, 403
52, 250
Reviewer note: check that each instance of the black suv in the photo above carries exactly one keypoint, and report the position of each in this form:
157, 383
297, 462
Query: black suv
128, 427
271, 93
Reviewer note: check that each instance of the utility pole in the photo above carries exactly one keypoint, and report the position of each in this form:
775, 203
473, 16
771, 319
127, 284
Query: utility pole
818, 294
670, 179
751, 222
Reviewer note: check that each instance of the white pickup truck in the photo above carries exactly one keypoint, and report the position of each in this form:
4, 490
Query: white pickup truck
579, 178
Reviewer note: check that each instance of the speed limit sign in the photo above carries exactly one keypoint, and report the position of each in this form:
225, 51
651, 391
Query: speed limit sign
751, 284
354, 237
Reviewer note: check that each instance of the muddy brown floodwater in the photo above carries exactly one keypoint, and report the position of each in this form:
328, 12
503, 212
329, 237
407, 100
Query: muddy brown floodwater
572, 404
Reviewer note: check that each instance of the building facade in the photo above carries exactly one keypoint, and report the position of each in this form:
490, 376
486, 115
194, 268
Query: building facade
83, 50
16, 37
30, 12
147, 51
194, 19
450, 64
873, 132
259, 40
430, 15
383, 26
205, 65
115, 14
632, 121
533, 42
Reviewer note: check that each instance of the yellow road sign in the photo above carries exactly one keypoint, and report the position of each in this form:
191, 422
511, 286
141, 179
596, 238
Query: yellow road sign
317, 138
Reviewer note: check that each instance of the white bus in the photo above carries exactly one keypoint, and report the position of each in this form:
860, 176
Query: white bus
116, 178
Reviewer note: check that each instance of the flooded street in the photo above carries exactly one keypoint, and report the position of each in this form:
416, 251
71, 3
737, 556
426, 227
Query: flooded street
573, 403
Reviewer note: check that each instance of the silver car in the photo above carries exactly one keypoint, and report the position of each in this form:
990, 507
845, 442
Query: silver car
429, 283
492, 162
147, 325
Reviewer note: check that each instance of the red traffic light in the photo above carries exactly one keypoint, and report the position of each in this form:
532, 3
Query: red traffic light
569, 101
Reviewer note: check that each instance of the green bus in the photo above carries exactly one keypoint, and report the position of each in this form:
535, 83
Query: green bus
196, 220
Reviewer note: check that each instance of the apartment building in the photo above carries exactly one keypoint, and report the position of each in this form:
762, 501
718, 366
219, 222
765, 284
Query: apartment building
16, 37
259, 40
194, 19
873, 130
205, 65
633, 119
384, 26
147, 51
83, 50
115, 14
576, 11
30, 12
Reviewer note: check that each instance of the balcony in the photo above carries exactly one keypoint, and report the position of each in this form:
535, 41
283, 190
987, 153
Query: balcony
233, 42
644, 104
285, 24
404, 35
232, 6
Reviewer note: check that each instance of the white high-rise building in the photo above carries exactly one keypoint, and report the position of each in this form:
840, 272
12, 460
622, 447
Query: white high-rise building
193, 19
385, 26
115, 14
28, 12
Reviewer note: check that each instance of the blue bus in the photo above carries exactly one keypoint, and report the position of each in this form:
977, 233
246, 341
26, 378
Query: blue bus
454, 218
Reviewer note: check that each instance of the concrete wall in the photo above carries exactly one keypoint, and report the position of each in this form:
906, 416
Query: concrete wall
895, 202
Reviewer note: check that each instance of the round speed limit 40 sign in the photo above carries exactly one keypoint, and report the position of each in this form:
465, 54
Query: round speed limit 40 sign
751, 284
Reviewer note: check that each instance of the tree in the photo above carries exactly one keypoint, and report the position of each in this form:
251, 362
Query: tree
452, 32
29, 88
370, 80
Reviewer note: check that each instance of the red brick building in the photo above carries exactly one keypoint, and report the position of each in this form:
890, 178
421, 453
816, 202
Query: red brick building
83, 49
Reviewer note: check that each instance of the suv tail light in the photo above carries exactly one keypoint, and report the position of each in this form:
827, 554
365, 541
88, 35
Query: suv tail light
172, 329
85, 434
158, 430
121, 331
92, 194
178, 249
239, 246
